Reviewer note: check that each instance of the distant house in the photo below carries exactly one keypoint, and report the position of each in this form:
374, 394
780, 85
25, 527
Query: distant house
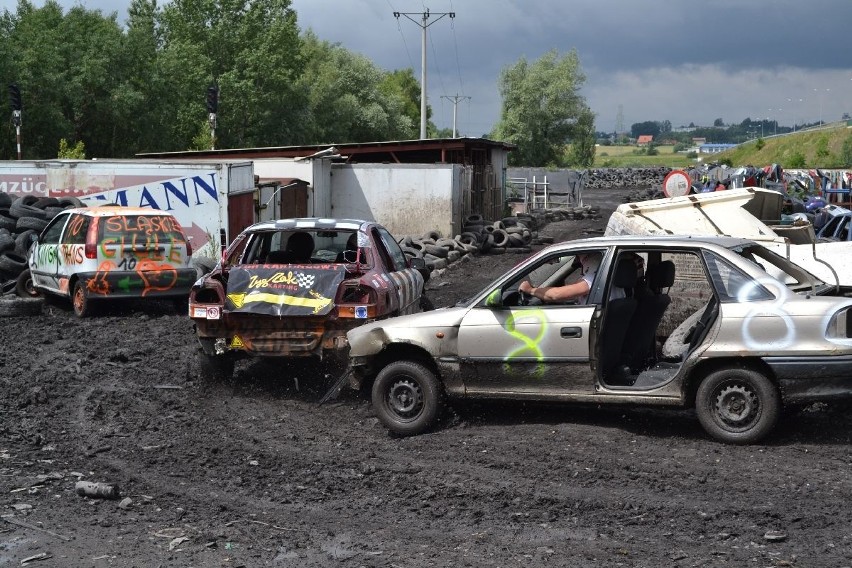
714, 148
644, 139
698, 141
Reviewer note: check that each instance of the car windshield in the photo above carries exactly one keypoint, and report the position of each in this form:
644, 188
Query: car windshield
792, 275
305, 246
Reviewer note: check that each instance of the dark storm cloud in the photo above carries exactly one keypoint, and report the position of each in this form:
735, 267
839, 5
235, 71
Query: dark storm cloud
678, 60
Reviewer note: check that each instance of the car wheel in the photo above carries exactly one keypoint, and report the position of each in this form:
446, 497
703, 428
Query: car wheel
738, 406
218, 368
407, 397
80, 300
24, 287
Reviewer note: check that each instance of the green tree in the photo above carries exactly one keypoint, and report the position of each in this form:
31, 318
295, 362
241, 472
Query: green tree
402, 85
346, 102
33, 41
541, 108
251, 50
75, 152
139, 97
582, 154
649, 127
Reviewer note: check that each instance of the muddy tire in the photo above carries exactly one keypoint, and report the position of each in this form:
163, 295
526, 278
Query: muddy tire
215, 368
80, 302
24, 241
16, 307
12, 263
24, 286
737, 406
27, 223
407, 398
7, 241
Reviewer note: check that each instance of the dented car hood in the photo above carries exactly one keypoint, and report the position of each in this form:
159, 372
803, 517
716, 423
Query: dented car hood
752, 213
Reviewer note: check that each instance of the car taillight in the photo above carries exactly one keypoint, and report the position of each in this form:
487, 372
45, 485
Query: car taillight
357, 301
91, 248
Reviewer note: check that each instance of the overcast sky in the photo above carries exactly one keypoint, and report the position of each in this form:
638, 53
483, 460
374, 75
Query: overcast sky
678, 60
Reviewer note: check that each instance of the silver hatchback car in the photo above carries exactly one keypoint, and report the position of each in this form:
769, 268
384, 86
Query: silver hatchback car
723, 325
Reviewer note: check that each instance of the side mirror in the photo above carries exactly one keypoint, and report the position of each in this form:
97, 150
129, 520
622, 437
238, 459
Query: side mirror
419, 265
494, 299
350, 256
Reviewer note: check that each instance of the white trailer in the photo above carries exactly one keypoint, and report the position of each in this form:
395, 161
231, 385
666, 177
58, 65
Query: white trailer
211, 199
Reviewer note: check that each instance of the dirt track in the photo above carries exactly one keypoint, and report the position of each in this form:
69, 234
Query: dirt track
256, 474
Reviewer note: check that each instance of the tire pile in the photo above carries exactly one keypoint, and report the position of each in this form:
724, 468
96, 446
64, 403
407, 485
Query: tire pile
615, 178
643, 195
21, 221
511, 234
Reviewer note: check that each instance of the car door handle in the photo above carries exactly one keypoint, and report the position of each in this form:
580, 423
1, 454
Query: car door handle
571, 332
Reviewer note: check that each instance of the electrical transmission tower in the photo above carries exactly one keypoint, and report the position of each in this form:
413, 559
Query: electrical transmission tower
423, 23
455, 100
619, 120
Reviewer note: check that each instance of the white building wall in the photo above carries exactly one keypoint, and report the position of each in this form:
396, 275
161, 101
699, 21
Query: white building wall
408, 199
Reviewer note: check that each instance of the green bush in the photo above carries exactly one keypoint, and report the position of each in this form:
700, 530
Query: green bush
760, 143
68, 152
796, 160
846, 153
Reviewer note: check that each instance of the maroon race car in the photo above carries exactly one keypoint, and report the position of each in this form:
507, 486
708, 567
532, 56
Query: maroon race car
294, 287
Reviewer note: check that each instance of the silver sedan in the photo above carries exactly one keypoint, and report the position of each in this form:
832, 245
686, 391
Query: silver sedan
719, 324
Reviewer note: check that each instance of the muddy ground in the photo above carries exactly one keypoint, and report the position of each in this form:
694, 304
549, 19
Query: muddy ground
256, 474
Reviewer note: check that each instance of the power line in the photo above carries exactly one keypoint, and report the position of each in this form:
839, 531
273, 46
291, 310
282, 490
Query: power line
402, 35
455, 100
456, 45
423, 23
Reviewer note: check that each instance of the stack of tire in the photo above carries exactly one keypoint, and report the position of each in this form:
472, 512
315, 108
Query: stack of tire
512, 234
571, 213
21, 221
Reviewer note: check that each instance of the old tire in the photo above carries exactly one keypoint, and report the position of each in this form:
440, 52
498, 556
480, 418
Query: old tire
7, 241
15, 307
24, 286
12, 263
24, 241
216, 368
80, 300
26, 223
407, 398
737, 406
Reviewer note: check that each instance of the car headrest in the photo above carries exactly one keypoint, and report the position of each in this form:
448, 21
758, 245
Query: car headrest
625, 273
661, 275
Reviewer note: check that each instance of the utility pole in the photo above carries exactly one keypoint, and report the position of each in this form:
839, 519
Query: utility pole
455, 99
17, 107
212, 110
423, 23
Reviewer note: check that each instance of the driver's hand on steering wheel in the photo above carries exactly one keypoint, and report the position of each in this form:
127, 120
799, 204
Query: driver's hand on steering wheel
526, 292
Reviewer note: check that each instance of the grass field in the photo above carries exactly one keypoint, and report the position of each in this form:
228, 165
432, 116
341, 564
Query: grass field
815, 148
629, 157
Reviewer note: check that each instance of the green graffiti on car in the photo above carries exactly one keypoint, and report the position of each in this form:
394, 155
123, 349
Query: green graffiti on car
530, 345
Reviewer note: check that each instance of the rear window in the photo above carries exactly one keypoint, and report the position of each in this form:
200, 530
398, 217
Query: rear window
157, 228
